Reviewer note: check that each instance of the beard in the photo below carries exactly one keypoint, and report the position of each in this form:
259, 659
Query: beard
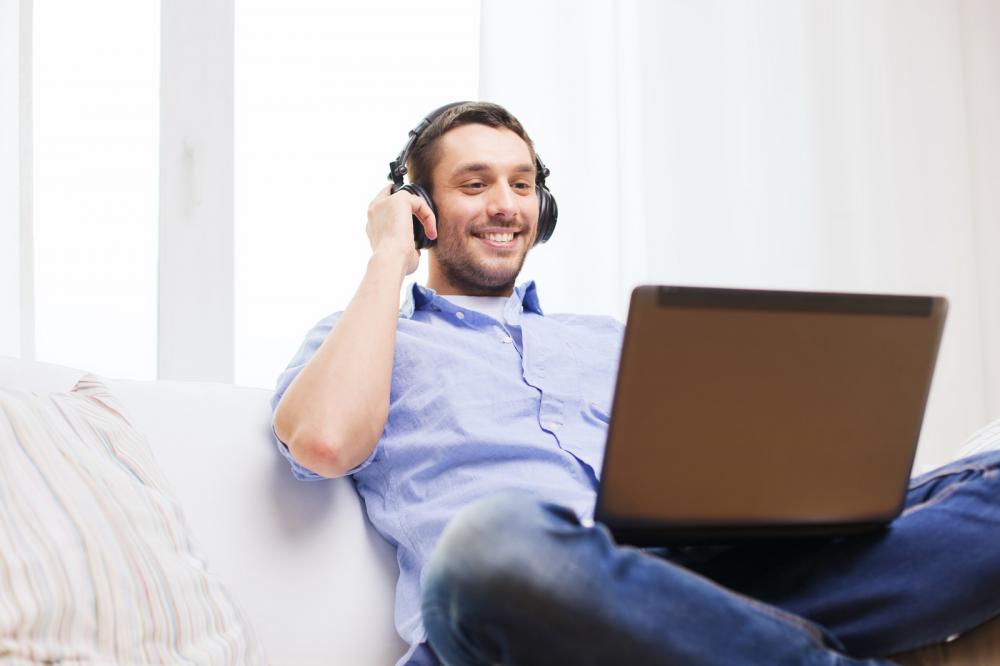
474, 274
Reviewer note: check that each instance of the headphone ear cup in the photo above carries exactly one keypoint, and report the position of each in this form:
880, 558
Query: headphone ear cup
420, 238
548, 213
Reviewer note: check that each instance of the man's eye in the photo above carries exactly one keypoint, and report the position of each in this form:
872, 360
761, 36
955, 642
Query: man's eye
527, 187
475, 185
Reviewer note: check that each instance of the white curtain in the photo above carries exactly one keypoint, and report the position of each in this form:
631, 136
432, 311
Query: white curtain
841, 145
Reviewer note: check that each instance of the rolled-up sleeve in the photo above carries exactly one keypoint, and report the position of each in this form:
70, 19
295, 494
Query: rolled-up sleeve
314, 338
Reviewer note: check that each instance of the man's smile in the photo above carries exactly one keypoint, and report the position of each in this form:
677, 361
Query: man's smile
498, 238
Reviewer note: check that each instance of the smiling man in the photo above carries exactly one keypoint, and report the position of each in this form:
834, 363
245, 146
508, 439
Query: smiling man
474, 423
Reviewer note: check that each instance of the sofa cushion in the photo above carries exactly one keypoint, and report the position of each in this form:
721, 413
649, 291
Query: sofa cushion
97, 563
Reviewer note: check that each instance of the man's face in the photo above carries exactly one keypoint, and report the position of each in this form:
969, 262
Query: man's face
484, 190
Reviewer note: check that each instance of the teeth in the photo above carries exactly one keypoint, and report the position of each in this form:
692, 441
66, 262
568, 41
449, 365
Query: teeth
499, 238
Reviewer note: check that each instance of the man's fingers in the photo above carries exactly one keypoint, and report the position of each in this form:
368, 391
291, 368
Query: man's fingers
425, 215
418, 208
382, 195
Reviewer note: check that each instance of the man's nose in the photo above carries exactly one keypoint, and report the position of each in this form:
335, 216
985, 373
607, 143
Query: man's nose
501, 201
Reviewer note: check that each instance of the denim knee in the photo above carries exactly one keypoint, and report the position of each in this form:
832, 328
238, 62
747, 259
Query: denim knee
495, 537
497, 543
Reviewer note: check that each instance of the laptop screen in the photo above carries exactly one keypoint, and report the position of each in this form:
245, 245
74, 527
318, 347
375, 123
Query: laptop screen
739, 408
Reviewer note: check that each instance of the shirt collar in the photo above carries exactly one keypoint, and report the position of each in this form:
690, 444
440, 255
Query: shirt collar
420, 297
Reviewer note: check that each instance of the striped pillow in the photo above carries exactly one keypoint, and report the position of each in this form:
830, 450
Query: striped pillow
96, 560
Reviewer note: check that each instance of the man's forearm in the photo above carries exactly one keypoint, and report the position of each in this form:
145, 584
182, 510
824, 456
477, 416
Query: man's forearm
333, 413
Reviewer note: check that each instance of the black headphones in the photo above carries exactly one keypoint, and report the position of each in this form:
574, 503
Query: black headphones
547, 209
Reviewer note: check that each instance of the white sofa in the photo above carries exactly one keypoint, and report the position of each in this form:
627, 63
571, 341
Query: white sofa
313, 576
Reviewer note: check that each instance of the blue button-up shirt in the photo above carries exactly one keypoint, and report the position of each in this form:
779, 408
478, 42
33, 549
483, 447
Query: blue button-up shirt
478, 406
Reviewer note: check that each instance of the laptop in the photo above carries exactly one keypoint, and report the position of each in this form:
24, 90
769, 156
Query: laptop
757, 414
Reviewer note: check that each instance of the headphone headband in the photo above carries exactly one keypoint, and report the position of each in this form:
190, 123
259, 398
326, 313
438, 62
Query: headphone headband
397, 168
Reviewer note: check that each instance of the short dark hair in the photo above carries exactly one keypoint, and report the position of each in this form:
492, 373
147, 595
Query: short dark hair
425, 154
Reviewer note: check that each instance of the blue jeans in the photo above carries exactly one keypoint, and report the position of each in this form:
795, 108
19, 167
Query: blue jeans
516, 581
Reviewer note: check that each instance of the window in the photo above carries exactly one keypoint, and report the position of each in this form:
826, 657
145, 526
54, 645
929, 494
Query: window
96, 100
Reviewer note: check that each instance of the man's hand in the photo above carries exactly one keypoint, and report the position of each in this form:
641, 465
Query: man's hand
390, 226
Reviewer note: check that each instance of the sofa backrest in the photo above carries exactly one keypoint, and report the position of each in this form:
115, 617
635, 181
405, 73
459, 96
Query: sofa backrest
314, 577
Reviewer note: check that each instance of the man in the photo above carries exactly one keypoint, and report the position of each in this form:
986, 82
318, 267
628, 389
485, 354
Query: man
473, 424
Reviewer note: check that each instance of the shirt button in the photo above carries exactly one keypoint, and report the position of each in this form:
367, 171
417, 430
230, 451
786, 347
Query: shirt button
460, 315
506, 339
551, 425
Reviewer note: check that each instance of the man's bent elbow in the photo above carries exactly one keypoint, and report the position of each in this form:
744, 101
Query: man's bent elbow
326, 457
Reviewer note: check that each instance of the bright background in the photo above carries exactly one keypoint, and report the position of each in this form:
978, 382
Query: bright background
840, 145
96, 101
315, 131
